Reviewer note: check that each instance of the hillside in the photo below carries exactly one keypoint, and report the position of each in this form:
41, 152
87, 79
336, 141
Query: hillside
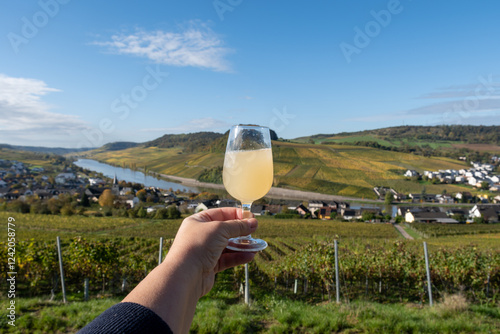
345, 170
446, 140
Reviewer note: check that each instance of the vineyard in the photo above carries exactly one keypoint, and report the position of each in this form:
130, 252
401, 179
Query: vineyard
375, 263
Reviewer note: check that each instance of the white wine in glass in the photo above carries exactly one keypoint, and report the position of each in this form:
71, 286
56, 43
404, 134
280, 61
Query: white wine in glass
248, 174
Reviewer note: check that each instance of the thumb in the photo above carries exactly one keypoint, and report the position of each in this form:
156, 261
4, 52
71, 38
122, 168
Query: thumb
237, 228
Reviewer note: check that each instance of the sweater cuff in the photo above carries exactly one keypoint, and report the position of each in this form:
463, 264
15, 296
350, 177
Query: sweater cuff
127, 318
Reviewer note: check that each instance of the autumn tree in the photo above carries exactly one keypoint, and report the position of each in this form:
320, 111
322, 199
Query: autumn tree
107, 198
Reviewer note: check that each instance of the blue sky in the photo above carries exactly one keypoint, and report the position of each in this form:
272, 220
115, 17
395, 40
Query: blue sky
85, 73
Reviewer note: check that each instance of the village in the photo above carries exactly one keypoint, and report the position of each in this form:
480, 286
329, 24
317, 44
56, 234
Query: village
31, 189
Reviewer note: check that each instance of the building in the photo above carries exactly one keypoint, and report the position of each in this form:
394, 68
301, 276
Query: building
429, 217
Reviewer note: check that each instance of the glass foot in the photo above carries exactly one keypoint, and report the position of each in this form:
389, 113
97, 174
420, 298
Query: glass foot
243, 244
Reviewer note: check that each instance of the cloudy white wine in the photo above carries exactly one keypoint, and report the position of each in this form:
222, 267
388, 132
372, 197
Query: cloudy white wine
248, 175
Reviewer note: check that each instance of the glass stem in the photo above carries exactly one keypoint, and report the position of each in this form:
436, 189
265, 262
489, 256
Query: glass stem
246, 213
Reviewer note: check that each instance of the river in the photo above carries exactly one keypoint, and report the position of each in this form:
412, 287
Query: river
128, 175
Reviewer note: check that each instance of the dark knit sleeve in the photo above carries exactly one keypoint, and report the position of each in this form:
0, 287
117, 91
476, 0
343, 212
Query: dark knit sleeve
127, 318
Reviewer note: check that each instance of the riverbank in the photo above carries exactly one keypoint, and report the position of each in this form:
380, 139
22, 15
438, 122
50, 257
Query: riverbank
275, 192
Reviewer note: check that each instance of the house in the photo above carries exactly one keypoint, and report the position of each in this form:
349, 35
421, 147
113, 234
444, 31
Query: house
205, 205
496, 199
155, 208
403, 210
429, 217
302, 210
411, 173
325, 212
227, 203
94, 181
3, 184
445, 199
131, 201
258, 210
348, 214
489, 212
415, 197
64, 177
192, 204
316, 204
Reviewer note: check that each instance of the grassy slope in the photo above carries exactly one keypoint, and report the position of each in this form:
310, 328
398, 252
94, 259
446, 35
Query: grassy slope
344, 170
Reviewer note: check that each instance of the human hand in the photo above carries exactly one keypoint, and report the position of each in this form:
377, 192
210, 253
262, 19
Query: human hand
202, 239
199, 251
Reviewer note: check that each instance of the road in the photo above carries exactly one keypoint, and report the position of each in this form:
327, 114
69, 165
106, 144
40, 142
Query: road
403, 232
275, 192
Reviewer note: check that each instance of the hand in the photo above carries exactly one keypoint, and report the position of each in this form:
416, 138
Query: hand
199, 251
202, 239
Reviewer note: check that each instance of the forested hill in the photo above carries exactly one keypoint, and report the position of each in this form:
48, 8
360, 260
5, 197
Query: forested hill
469, 134
192, 142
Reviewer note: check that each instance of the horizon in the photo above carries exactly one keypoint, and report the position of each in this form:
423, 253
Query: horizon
140, 71
294, 138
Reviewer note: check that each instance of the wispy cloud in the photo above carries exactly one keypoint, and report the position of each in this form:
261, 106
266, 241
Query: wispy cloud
459, 104
194, 125
194, 45
25, 119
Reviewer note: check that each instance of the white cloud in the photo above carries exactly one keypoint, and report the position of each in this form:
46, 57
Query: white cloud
196, 45
25, 119
194, 125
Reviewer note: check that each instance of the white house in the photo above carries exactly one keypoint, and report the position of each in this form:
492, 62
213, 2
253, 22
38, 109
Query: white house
95, 181
410, 173
3, 184
133, 202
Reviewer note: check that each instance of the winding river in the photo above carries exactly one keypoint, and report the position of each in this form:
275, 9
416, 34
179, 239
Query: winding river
128, 175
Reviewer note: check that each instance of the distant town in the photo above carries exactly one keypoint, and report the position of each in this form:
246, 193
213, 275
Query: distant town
24, 188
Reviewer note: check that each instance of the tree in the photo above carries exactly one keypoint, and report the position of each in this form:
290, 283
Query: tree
107, 198
485, 185
367, 215
173, 212
141, 194
388, 197
84, 200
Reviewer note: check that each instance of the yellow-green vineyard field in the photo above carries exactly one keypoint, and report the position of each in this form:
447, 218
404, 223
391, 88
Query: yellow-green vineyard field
350, 171
381, 276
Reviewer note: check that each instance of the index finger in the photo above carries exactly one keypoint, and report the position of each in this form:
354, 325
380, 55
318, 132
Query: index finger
220, 214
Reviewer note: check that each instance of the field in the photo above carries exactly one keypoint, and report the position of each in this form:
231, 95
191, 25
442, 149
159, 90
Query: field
373, 258
350, 171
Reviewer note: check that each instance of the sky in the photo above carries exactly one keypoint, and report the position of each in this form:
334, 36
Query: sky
85, 73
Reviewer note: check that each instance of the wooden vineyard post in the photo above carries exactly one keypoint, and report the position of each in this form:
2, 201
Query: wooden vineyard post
86, 289
337, 288
61, 269
161, 251
429, 287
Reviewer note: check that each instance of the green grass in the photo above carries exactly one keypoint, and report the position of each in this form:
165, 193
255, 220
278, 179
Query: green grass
271, 313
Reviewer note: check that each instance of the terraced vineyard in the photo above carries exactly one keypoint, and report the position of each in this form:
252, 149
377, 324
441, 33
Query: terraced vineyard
375, 262
350, 171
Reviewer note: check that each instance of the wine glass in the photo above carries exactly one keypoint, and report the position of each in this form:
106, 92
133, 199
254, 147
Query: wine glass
248, 174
